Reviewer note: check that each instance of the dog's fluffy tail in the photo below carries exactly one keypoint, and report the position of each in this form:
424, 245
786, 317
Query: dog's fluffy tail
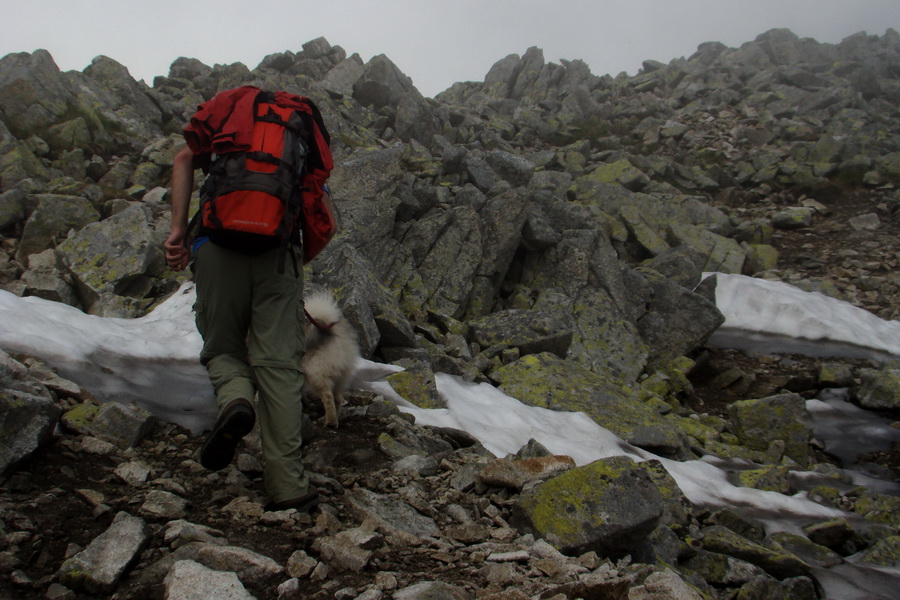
322, 307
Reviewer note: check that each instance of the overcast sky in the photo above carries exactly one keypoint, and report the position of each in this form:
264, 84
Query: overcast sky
435, 42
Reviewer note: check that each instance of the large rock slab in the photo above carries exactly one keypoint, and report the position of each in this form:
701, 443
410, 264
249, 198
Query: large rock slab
28, 414
607, 506
98, 568
117, 256
251, 566
677, 321
780, 418
582, 278
383, 84
50, 223
445, 249
722, 254
122, 425
392, 516
189, 580
369, 305
362, 187
502, 219
33, 92
26, 423
777, 563
879, 389
531, 331
547, 381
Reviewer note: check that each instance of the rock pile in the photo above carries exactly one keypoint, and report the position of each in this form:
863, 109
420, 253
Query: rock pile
545, 231
412, 512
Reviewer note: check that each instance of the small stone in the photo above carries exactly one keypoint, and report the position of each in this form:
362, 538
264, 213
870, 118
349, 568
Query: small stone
180, 532
835, 375
133, 472
816, 205
251, 567
514, 474
301, 565
421, 466
164, 505
122, 425
512, 556
92, 497
385, 581
20, 578
79, 418
289, 590
247, 463
866, 222
501, 574
796, 217
831, 533
243, 507
93, 445
188, 580
59, 592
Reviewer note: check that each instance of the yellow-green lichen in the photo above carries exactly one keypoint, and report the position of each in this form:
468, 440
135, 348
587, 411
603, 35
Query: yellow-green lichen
80, 417
556, 500
417, 385
547, 381
772, 479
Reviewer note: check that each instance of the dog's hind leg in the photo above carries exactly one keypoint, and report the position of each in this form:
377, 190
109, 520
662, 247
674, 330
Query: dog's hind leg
321, 388
339, 400
331, 408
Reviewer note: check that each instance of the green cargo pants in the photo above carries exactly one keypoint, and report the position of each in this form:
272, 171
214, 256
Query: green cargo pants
251, 320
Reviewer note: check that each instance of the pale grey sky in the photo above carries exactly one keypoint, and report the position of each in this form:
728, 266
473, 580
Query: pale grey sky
435, 42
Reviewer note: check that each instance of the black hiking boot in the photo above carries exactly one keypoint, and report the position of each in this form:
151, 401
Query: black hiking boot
235, 422
304, 503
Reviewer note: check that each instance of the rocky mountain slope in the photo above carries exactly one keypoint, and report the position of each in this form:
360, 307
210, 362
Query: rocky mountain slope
546, 224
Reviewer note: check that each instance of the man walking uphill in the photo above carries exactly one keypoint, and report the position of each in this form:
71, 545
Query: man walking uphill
261, 155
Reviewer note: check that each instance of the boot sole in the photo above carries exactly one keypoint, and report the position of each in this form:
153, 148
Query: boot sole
218, 452
303, 504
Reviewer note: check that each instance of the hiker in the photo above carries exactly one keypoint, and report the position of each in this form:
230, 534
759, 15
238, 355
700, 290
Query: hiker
249, 307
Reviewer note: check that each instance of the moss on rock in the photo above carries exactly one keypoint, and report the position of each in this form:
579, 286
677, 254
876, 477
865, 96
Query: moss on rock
778, 563
759, 422
885, 553
80, 418
608, 506
417, 385
621, 172
548, 381
771, 478
879, 508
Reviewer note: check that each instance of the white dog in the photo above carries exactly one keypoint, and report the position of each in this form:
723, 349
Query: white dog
331, 353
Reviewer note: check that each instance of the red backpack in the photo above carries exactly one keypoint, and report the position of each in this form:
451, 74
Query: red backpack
269, 161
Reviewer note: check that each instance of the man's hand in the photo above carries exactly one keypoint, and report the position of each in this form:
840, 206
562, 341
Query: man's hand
178, 255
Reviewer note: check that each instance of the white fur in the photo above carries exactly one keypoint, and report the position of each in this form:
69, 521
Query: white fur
330, 354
